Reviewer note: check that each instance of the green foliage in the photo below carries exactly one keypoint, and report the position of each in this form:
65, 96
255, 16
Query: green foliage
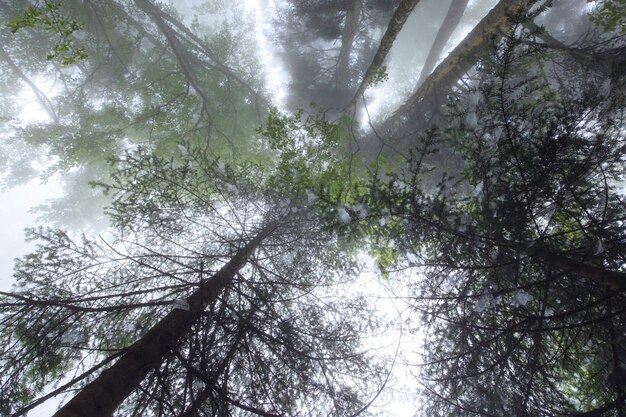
379, 76
385, 258
311, 158
130, 92
50, 18
509, 332
610, 16
190, 180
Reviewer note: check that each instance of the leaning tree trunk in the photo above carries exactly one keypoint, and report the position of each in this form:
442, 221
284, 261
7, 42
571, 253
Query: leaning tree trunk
450, 22
463, 57
101, 397
350, 30
395, 25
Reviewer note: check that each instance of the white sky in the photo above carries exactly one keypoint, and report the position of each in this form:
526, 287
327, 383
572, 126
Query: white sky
17, 202
16, 216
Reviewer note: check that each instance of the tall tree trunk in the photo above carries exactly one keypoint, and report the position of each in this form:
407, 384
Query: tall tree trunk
449, 24
350, 30
101, 397
463, 57
395, 25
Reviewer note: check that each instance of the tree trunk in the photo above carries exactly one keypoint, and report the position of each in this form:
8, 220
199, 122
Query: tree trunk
450, 22
101, 397
614, 280
395, 25
350, 30
463, 57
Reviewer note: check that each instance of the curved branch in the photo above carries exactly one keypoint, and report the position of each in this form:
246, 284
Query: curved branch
41, 97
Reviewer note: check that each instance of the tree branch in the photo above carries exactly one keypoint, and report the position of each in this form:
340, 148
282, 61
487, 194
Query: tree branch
463, 57
398, 19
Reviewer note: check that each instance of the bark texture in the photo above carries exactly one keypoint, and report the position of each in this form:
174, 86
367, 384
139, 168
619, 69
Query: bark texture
101, 397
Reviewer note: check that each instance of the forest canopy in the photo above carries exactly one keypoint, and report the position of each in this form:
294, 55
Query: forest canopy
221, 247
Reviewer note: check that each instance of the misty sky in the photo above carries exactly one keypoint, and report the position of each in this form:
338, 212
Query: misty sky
406, 58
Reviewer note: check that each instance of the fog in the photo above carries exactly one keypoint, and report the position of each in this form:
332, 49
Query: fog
173, 140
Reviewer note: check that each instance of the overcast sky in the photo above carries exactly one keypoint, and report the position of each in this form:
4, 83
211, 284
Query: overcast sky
16, 215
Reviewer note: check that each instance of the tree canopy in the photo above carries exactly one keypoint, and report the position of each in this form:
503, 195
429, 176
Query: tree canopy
523, 249
230, 277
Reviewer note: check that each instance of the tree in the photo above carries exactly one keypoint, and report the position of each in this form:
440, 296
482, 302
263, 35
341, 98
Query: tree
395, 135
224, 287
463, 57
242, 270
523, 251
131, 91
326, 46
104, 395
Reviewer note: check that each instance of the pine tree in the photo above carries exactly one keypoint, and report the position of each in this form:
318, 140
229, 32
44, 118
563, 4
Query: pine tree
522, 249
207, 297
